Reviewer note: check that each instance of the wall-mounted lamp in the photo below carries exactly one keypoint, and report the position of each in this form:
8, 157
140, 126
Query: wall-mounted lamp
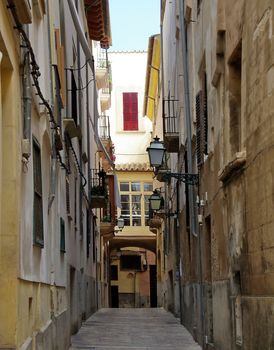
120, 223
156, 152
155, 200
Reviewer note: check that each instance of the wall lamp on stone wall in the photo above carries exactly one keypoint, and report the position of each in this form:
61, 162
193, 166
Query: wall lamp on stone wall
156, 152
156, 204
155, 200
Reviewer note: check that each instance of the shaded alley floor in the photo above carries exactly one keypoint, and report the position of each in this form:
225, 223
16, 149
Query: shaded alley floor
134, 329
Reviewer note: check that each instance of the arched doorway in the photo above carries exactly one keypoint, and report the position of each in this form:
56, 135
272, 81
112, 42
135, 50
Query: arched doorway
133, 273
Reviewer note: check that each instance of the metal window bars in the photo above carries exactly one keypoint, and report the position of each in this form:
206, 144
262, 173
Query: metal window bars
104, 127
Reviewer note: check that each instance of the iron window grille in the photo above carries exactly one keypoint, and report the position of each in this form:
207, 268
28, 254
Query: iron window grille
170, 115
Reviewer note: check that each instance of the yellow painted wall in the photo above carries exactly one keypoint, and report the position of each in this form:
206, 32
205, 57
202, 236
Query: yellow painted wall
10, 167
37, 301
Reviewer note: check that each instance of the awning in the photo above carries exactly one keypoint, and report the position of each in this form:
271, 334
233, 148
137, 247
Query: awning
152, 76
98, 20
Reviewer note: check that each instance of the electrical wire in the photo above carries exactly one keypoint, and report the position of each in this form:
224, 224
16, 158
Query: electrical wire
35, 73
69, 143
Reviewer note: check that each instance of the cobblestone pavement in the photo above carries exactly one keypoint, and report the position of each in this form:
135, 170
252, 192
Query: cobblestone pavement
134, 329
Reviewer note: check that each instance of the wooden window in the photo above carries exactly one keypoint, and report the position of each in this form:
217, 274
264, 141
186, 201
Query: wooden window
136, 210
124, 186
130, 111
38, 230
135, 203
148, 186
135, 187
62, 236
201, 123
146, 198
125, 211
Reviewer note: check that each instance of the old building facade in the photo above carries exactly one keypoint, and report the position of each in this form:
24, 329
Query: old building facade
133, 250
52, 152
217, 85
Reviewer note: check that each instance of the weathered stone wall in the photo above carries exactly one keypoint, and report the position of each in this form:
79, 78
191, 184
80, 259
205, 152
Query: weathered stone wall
233, 42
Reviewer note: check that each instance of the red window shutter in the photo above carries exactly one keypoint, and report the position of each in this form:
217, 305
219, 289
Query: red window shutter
130, 110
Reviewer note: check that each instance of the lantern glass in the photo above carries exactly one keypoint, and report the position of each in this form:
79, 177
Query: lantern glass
120, 223
156, 152
155, 201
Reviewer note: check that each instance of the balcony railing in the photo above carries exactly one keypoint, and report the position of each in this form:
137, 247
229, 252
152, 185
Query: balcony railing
98, 192
108, 214
170, 122
104, 127
106, 97
103, 70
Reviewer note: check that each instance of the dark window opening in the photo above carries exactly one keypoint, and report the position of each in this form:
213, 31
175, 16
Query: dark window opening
235, 76
62, 236
38, 231
74, 107
130, 262
114, 272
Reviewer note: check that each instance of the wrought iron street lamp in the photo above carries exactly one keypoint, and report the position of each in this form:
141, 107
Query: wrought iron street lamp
155, 201
120, 223
156, 153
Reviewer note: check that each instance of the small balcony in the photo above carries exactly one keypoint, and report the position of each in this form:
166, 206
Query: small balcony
170, 122
105, 97
104, 129
102, 70
98, 191
108, 214
104, 133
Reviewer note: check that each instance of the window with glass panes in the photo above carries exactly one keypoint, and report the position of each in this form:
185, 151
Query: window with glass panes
134, 202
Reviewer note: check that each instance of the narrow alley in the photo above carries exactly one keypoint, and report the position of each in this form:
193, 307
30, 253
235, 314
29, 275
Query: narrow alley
136, 329
136, 174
